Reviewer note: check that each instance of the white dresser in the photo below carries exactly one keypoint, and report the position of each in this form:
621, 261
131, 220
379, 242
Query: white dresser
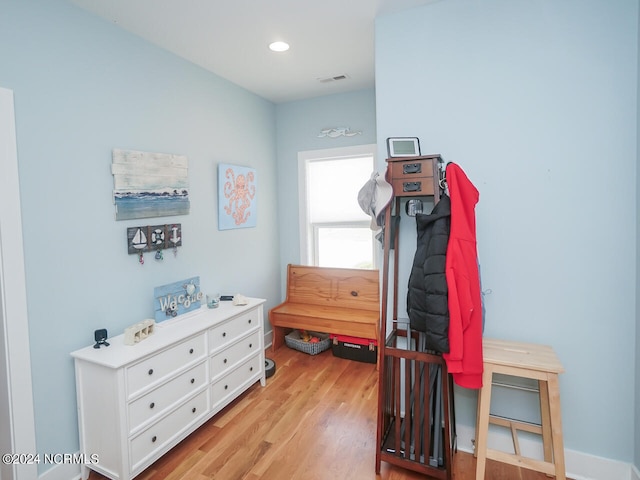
136, 402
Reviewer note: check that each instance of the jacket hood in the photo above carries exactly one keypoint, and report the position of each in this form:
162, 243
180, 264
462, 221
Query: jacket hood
467, 196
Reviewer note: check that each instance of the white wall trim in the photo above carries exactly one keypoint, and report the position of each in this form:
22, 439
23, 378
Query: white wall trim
64, 471
268, 338
579, 465
13, 294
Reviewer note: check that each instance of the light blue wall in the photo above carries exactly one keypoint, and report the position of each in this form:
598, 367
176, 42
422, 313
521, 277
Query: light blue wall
537, 102
83, 87
299, 124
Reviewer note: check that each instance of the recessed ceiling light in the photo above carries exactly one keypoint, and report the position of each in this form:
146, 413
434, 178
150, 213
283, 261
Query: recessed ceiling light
279, 46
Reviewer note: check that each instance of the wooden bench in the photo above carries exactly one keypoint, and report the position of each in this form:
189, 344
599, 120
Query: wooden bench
343, 301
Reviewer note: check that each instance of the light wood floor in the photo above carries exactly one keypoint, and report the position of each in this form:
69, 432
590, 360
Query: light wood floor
315, 420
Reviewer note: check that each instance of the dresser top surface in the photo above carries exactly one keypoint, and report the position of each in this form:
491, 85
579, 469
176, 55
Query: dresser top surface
165, 334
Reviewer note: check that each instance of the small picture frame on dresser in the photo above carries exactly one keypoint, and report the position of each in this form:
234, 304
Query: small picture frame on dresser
403, 147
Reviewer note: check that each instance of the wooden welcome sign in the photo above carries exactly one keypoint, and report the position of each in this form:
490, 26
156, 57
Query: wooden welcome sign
177, 298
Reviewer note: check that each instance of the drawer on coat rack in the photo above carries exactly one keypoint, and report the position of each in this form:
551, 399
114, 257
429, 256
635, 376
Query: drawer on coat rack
412, 176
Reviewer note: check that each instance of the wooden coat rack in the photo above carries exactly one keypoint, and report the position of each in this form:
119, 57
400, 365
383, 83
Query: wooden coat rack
416, 421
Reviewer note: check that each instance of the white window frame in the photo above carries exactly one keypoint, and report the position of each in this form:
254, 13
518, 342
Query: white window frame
308, 235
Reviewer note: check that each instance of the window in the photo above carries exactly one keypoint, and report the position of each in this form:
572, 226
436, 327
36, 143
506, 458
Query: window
334, 230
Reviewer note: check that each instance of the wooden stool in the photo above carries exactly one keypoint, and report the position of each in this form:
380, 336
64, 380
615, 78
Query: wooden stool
526, 360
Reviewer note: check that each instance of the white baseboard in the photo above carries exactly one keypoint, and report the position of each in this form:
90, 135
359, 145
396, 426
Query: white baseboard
65, 471
268, 339
579, 465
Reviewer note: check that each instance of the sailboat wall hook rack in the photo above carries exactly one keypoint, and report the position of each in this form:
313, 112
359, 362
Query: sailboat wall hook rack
153, 238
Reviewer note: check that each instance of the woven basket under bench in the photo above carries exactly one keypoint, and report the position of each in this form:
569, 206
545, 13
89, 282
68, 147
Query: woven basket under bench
294, 340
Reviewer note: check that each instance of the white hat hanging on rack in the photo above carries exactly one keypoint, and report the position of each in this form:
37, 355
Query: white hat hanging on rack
374, 197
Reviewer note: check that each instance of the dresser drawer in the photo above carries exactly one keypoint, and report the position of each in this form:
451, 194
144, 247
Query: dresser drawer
227, 332
160, 399
166, 430
158, 366
228, 385
229, 357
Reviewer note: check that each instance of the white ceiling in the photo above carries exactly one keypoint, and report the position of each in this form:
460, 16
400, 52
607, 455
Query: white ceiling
328, 38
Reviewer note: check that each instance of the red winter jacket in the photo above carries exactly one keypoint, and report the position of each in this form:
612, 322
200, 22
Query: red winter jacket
464, 359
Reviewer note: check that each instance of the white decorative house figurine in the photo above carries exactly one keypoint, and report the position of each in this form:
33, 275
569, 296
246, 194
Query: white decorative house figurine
138, 332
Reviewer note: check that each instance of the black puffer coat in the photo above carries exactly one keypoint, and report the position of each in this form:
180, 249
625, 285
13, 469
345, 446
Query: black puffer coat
427, 295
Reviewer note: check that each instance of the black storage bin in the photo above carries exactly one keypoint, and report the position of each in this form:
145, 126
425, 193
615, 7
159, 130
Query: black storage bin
354, 348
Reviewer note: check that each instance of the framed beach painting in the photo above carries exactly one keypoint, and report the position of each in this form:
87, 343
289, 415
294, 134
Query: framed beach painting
149, 184
237, 189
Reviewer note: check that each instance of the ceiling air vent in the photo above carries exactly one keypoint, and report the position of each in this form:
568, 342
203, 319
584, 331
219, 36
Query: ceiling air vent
333, 79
